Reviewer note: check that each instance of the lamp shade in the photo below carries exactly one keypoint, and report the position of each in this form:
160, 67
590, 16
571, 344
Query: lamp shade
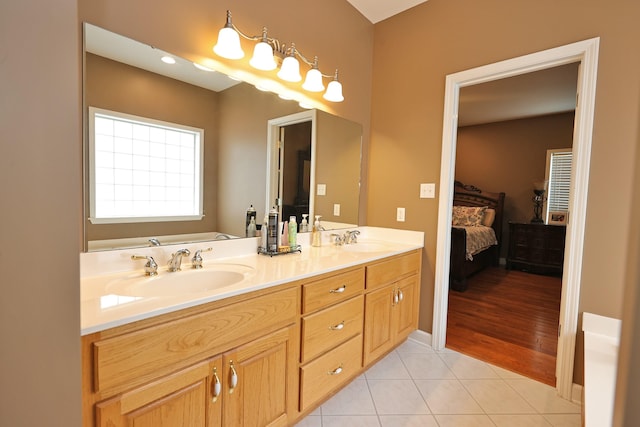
262, 58
313, 81
228, 45
290, 70
334, 92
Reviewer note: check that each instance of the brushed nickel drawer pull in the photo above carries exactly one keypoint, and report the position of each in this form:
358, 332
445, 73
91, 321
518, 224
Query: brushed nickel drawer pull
396, 297
336, 371
400, 295
217, 386
340, 290
337, 327
233, 377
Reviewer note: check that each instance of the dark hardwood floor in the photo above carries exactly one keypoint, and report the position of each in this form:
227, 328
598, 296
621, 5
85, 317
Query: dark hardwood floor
509, 319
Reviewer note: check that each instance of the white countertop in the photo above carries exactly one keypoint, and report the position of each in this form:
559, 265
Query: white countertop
102, 309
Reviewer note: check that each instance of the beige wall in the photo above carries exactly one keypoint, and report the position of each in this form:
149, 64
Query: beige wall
509, 156
118, 87
40, 220
441, 37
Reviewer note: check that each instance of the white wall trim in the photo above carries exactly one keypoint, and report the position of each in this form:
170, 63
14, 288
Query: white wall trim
421, 336
585, 52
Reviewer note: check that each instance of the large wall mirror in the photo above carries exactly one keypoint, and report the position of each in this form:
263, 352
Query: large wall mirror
237, 121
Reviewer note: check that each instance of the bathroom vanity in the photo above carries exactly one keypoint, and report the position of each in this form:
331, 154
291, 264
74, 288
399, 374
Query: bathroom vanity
266, 350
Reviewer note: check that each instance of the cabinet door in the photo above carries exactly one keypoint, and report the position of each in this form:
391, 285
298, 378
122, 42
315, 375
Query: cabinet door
406, 310
378, 333
261, 382
185, 398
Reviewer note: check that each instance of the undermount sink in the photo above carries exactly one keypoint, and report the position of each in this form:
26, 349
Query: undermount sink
366, 247
187, 281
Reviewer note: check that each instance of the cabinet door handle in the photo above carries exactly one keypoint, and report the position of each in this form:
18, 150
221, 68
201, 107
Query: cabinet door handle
396, 297
216, 386
337, 327
340, 290
400, 295
336, 371
233, 377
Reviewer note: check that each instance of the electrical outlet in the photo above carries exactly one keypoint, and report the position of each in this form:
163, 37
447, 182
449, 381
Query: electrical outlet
400, 215
427, 191
322, 190
336, 209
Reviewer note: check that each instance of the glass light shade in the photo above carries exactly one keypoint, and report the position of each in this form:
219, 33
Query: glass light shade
313, 81
290, 70
262, 58
334, 92
228, 45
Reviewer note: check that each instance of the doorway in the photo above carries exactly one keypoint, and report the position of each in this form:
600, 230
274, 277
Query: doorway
585, 52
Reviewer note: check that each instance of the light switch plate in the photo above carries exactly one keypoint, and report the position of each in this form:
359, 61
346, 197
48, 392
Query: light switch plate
336, 209
322, 190
400, 215
427, 190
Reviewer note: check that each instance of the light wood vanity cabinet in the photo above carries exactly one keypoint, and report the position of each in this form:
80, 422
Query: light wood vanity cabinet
266, 358
332, 319
391, 304
234, 364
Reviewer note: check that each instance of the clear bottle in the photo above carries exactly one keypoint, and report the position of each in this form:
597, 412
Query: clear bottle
293, 232
264, 232
251, 213
251, 229
316, 233
304, 225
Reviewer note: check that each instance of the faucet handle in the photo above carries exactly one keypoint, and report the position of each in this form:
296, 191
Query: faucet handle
151, 267
351, 236
197, 258
337, 239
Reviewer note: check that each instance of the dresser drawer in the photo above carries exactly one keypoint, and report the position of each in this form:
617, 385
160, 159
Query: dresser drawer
333, 289
328, 372
391, 270
327, 328
138, 357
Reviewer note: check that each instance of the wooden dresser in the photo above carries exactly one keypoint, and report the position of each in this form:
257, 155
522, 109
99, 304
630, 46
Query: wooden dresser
537, 248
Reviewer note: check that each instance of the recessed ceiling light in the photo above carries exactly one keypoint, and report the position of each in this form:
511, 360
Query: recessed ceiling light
168, 59
202, 67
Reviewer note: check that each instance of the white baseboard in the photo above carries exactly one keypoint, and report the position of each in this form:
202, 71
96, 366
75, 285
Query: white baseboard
576, 393
421, 336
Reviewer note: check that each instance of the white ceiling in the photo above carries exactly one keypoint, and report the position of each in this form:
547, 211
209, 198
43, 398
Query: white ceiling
379, 10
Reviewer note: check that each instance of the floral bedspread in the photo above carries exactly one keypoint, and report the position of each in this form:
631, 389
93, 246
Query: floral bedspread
479, 238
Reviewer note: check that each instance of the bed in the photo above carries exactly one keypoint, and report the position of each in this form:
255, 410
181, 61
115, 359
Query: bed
475, 212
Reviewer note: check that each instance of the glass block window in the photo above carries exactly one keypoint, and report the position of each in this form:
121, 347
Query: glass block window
142, 169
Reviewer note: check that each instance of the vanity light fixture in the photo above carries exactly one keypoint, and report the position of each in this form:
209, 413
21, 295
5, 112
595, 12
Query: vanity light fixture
268, 52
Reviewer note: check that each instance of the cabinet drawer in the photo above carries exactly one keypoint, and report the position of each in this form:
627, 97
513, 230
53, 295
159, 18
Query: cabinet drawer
328, 372
389, 271
327, 328
331, 290
137, 357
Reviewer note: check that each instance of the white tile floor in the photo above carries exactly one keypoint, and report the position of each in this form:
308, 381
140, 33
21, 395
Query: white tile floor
416, 386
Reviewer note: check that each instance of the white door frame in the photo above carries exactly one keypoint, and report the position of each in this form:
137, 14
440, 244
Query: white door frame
585, 52
274, 181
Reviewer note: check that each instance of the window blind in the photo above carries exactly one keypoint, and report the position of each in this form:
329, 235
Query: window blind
559, 181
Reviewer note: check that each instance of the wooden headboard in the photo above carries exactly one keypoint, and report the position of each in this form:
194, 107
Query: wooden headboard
470, 195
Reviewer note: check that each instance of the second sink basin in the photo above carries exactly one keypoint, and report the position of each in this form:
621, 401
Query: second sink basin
188, 281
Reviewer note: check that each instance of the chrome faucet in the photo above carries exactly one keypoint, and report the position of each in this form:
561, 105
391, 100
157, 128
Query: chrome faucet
176, 259
150, 268
196, 261
154, 242
338, 240
351, 237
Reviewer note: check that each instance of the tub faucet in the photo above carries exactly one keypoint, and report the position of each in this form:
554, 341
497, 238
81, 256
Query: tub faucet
176, 259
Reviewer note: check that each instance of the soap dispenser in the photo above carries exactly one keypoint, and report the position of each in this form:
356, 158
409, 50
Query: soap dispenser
316, 232
304, 225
